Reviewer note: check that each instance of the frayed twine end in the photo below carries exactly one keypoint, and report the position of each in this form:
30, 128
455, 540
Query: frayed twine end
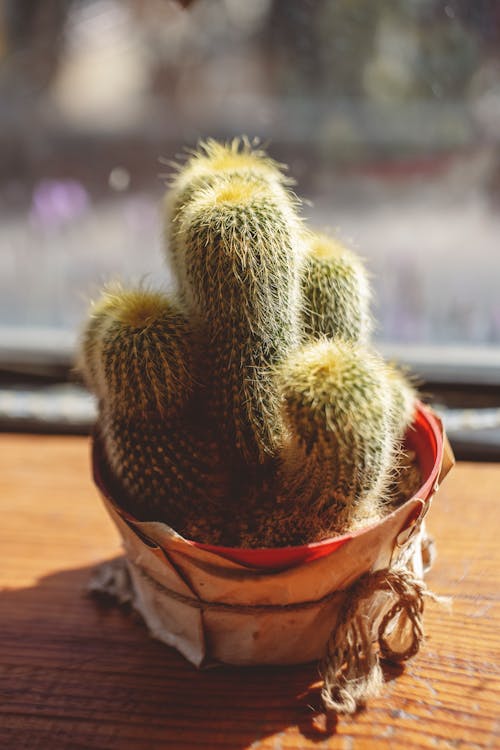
351, 667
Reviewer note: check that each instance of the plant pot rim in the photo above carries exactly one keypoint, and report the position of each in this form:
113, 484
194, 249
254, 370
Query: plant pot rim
425, 437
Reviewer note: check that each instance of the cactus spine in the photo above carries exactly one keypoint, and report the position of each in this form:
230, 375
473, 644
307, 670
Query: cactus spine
336, 292
404, 397
240, 263
138, 358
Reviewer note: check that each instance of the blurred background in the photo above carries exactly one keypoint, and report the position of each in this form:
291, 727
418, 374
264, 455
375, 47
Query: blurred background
387, 112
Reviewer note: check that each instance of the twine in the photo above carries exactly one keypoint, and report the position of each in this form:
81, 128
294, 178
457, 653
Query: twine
234, 608
351, 667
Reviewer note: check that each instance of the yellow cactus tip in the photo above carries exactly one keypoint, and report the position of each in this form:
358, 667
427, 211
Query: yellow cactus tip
323, 247
322, 366
237, 192
136, 308
238, 154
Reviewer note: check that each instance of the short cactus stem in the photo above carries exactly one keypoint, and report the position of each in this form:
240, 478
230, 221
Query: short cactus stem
139, 359
138, 353
336, 292
337, 464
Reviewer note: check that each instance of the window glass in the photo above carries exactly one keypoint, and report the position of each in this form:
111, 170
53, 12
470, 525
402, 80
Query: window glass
387, 112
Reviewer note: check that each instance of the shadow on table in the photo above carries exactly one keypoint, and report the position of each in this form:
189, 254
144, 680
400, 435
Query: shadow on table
87, 674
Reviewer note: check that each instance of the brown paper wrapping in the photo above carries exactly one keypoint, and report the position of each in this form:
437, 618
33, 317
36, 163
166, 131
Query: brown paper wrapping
214, 610
166, 562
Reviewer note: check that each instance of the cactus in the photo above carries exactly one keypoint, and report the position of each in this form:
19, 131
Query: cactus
138, 358
339, 404
137, 352
336, 292
205, 166
249, 409
240, 262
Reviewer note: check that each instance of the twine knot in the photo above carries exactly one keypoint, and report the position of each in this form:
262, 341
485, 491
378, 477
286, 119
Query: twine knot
351, 667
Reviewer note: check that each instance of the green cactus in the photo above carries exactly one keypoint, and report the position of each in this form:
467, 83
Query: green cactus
213, 416
240, 263
138, 358
339, 404
205, 166
336, 292
137, 352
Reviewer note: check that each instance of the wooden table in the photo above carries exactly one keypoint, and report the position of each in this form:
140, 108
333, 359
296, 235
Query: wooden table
74, 674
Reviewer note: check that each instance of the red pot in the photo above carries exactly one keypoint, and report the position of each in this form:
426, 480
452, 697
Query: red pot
425, 438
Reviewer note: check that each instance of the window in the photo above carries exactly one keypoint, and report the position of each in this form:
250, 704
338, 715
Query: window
387, 113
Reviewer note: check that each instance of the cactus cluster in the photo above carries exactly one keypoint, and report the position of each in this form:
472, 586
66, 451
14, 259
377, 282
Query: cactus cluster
250, 409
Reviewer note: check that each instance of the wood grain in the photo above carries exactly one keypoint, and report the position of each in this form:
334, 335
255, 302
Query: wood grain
74, 674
